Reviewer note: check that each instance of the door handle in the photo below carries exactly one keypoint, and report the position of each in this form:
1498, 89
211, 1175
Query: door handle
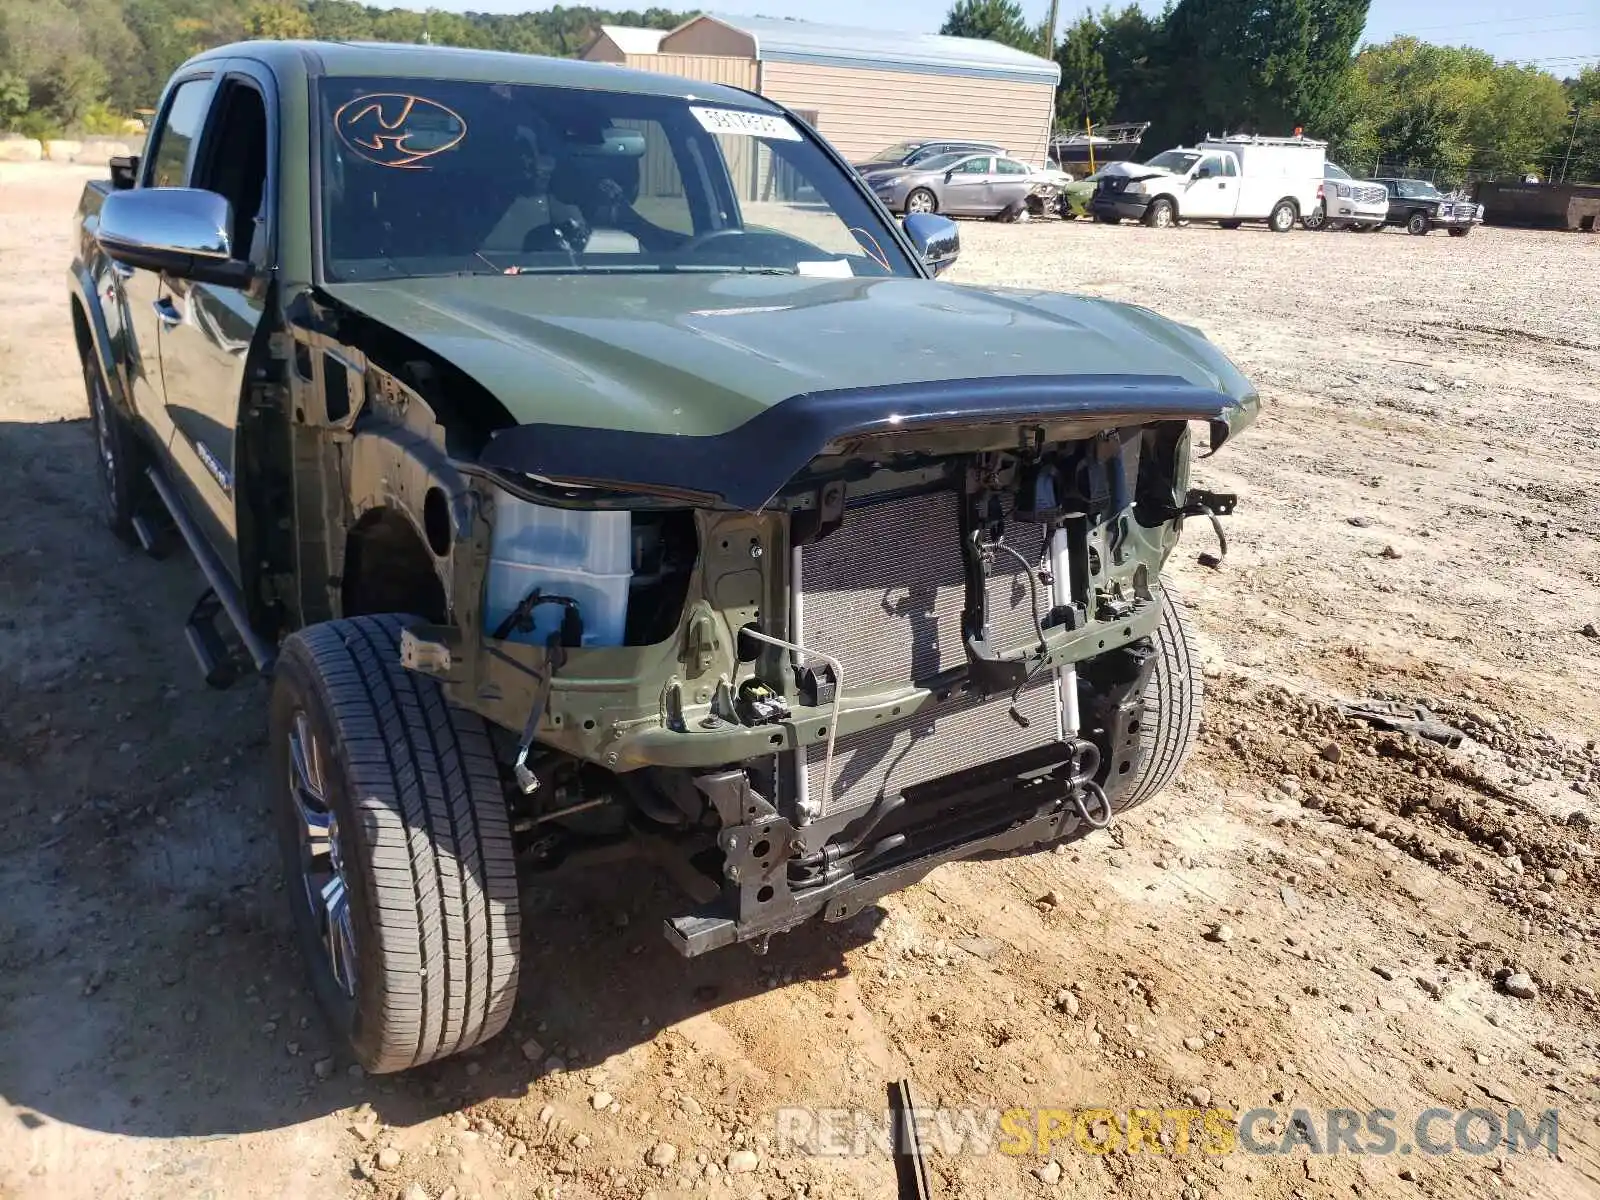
169, 316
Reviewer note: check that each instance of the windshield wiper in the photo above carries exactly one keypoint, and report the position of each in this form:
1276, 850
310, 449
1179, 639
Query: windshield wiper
712, 269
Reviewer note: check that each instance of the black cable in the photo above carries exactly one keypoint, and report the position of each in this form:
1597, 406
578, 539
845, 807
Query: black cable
1033, 587
1038, 628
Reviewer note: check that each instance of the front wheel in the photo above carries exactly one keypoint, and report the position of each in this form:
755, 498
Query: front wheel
119, 456
1417, 224
1316, 220
1161, 214
1172, 701
1281, 219
921, 200
397, 844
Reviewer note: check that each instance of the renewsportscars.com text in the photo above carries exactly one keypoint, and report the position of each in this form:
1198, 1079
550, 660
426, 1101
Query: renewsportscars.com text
846, 1132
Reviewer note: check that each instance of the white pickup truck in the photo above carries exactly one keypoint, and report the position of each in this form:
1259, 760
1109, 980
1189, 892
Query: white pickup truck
1229, 180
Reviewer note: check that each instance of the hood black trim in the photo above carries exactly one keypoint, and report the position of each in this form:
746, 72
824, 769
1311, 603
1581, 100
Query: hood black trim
746, 466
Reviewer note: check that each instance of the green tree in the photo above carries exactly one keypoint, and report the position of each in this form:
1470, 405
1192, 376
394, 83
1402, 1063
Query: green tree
1134, 49
1260, 66
1575, 155
278, 20
1524, 112
1423, 98
13, 98
993, 20
1085, 87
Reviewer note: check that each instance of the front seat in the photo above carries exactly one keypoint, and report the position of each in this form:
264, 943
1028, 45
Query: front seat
593, 197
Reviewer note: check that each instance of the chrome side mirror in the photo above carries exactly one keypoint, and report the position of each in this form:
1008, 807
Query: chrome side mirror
936, 238
183, 232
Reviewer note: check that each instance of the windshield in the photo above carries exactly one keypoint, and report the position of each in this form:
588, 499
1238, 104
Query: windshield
442, 177
1414, 189
1176, 161
1334, 171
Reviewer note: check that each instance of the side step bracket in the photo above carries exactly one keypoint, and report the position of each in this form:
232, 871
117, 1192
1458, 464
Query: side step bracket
155, 539
220, 662
203, 636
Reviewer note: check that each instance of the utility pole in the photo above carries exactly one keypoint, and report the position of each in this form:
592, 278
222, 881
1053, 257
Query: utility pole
1050, 52
1577, 112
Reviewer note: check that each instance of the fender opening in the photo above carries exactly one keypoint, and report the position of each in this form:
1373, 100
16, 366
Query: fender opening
388, 569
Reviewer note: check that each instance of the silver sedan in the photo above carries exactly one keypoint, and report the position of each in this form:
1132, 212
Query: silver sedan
957, 185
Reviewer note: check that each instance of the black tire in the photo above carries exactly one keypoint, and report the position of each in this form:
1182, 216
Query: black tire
928, 202
429, 878
1162, 214
1317, 219
1417, 224
120, 460
1461, 232
1229, 224
1172, 703
1281, 218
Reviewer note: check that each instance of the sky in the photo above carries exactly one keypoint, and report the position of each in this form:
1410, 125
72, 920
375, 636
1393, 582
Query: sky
1559, 35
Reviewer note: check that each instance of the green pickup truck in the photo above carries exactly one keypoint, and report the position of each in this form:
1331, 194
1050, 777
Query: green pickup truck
597, 473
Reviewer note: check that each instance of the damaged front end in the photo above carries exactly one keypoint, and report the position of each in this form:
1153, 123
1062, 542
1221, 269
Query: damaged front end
863, 634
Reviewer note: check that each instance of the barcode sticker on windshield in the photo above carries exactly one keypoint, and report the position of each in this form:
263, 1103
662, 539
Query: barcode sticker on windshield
739, 121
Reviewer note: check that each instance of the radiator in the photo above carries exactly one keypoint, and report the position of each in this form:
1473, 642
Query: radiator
883, 594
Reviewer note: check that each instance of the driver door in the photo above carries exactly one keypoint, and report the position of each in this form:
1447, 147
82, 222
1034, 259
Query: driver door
148, 294
1212, 192
205, 350
966, 189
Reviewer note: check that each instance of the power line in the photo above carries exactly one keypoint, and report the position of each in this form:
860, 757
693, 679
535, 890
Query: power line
1545, 32
1510, 20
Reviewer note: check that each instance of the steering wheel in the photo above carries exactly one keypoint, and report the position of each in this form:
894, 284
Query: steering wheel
702, 239
803, 248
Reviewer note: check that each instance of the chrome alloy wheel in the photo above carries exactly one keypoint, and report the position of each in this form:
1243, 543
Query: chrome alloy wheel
321, 862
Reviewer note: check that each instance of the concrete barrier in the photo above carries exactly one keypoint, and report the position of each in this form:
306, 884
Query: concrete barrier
99, 150
62, 150
19, 149
1540, 205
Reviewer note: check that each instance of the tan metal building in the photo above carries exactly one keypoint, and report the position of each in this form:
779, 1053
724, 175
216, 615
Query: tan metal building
615, 42
863, 89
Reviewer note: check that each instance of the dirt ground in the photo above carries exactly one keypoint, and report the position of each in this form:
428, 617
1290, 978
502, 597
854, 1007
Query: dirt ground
1419, 520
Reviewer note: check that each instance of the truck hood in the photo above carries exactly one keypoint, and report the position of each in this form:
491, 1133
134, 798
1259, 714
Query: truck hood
600, 366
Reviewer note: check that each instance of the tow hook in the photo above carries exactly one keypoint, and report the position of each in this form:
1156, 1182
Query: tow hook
1094, 789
